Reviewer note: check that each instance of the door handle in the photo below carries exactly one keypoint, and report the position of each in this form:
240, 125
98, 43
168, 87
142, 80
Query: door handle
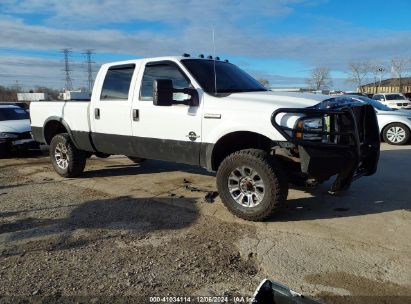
97, 113
136, 115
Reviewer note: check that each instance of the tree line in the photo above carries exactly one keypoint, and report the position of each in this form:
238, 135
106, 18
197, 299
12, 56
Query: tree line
360, 72
10, 93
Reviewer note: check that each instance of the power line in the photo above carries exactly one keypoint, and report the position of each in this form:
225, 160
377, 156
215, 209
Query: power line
89, 53
69, 83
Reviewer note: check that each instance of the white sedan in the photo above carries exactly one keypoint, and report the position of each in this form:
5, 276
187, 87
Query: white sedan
393, 100
395, 125
15, 129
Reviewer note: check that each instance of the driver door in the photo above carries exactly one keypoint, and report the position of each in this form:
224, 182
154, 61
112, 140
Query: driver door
165, 132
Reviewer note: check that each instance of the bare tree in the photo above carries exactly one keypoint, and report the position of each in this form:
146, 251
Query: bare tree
357, 72
399, 67
264, 82
320, 78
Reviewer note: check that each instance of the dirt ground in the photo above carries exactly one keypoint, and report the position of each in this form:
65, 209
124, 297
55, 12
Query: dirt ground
125, 232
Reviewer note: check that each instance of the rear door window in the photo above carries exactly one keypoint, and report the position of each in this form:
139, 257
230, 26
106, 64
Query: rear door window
116, 85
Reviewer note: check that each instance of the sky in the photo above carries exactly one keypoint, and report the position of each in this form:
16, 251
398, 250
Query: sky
279, 40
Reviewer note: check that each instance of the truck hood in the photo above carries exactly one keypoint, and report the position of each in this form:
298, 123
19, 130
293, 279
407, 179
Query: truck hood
256, 101
15, 126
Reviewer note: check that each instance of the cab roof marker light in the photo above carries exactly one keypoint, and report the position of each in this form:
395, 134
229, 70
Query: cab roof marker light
217, 58
201, 56
226, 60
210, 57
186, 55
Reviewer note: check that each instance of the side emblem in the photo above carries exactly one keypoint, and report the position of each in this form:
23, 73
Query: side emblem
192, 136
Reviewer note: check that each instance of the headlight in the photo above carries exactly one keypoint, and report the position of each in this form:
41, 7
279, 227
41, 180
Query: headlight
4, 135
310, 124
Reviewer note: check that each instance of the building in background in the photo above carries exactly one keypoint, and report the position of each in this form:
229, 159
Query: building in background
392, 85
24, 97
75, 95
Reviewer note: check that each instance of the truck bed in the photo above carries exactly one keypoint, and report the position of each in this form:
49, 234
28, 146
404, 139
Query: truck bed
43, 111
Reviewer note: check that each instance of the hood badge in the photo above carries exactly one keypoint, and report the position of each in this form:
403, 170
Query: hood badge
192, 136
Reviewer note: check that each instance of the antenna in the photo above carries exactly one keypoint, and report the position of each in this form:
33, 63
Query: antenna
215, 74
69, 83
89, 62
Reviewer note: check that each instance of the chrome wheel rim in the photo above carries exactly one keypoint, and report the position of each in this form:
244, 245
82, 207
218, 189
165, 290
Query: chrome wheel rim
246, 186
61, 156
396, 134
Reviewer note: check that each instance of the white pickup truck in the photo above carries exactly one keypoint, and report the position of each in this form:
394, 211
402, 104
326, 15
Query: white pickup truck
208, 112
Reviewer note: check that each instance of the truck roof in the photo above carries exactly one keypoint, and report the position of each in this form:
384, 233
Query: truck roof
131, 61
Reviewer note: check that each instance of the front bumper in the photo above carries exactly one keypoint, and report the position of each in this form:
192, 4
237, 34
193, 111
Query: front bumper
20, 142
352, 147
400, 106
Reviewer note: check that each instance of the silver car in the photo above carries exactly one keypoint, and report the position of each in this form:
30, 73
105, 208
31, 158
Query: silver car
395, 125
15, 129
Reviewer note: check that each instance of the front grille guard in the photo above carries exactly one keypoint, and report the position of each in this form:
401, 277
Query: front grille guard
346, 112
364, 153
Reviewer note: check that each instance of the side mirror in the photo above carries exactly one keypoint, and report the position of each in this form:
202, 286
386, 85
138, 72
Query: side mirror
162, 92
194, 101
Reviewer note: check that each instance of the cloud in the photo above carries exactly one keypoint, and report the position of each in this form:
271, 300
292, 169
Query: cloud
335, 51
169, 11
32, 72
170, 27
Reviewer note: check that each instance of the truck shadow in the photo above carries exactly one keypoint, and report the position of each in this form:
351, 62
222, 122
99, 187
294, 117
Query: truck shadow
98, 220
387, 190
147, 167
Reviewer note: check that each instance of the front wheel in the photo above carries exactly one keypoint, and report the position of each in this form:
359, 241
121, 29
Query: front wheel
252, 185
67, 160
396, 134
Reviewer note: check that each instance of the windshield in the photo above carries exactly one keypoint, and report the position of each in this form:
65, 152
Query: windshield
13, 114
229, 78
394, 97
375, 103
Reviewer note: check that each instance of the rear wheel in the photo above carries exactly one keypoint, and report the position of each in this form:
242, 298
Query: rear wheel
252, 185
67, 160
396, 134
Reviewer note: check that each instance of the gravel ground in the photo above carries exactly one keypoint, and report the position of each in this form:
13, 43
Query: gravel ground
63, 240
127, 232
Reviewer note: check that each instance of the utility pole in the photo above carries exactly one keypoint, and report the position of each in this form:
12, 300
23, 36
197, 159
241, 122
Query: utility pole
68, 79
381, 70
90, 80
17, 86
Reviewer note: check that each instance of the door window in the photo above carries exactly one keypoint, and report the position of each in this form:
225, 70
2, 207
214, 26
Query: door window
162, 71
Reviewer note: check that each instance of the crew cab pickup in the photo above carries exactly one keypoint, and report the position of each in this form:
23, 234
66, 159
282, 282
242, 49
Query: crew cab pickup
210, 113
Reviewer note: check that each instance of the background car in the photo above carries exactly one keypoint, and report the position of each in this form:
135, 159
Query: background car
15, 129
393, 100
407, 95
395, 125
